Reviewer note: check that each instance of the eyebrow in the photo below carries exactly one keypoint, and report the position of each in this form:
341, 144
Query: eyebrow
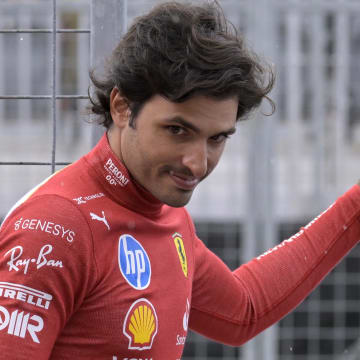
180, 120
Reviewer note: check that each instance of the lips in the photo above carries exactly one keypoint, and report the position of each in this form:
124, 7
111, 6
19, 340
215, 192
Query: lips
184, 182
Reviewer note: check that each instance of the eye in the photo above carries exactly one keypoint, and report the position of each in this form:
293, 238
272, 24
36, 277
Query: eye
219, 138
176, 130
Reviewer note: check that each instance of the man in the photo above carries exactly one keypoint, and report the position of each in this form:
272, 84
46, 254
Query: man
101, 261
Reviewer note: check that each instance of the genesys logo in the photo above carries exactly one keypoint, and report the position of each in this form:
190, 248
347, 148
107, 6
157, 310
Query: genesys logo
26, 294
84, 199
115, 176
18, 263
21, 324
134, 262
45, 226
141, 325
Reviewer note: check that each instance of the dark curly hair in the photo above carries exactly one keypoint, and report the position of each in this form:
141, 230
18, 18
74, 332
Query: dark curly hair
179, 50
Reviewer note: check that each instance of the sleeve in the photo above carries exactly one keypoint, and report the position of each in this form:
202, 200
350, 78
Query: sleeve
45, 273
232, 307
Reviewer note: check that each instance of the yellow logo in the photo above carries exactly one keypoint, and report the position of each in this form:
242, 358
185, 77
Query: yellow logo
179, 244
140, 325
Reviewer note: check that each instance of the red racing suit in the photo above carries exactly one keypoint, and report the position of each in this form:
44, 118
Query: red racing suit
94, 267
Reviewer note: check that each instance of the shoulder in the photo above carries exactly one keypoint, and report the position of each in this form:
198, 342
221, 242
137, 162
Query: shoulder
47, 231
59, 196
47, 216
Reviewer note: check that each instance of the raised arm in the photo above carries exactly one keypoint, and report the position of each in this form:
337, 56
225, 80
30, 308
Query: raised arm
233, 307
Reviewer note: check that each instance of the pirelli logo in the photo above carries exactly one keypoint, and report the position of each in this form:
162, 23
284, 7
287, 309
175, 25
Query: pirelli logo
26, 294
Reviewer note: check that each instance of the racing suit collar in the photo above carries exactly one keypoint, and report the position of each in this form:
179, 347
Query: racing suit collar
118, 182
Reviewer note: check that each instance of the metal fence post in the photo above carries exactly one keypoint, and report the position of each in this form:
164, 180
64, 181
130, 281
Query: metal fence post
261, 217
108, 23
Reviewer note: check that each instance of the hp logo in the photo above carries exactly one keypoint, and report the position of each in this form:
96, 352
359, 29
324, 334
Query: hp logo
134, 262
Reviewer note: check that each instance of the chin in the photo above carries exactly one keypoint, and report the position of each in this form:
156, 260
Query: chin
176, 202
177, 205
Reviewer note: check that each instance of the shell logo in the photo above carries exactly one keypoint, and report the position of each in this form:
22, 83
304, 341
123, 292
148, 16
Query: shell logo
141, 325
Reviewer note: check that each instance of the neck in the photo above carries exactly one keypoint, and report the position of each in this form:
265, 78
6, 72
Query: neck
114, 138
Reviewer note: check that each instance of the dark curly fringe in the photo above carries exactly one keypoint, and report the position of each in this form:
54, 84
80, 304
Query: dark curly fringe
180, 50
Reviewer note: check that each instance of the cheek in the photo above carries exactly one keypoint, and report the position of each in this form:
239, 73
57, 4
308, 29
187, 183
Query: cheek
160, 153
149, 158
214, 155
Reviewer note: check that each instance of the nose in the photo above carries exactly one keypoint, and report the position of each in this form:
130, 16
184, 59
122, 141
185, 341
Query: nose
196, 159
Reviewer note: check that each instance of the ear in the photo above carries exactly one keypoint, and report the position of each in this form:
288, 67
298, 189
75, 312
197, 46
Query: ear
119, 109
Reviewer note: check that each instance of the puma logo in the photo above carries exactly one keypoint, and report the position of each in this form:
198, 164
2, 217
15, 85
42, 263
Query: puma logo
102, 219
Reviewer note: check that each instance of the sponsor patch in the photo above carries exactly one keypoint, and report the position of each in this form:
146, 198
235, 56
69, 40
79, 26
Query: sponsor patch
115, 176
84, 199
18, 263
180, 248
186, 315
26, 294
21, 324
101, 219
134, 262
141, 325
49, 227
180, 339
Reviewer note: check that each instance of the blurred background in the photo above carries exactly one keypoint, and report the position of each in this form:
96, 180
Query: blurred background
277, 172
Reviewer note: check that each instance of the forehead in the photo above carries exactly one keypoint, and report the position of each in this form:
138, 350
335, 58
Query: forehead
201, 111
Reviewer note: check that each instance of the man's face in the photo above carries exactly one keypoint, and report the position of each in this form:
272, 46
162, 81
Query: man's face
173, 146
